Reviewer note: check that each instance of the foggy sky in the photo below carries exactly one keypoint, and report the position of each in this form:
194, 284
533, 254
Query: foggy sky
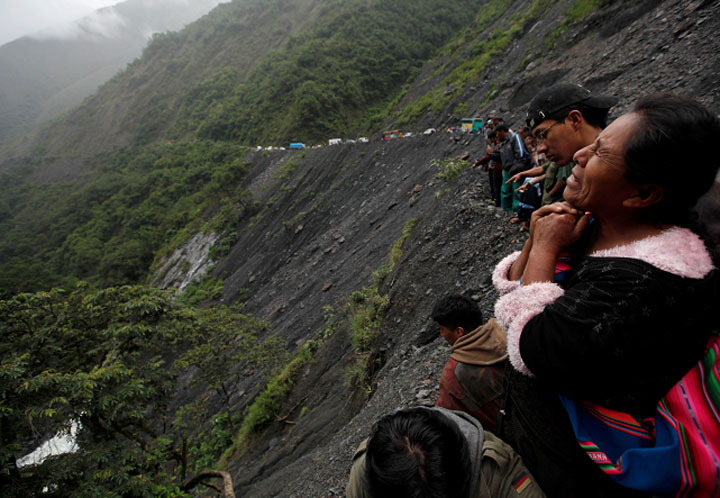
56, 19
24, 17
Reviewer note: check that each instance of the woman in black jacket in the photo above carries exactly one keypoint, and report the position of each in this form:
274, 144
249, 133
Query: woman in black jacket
638, 303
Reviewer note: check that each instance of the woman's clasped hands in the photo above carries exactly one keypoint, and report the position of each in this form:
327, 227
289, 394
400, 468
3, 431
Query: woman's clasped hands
557, 226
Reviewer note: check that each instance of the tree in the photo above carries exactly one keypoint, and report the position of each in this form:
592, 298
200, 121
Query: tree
108, 360
222, 362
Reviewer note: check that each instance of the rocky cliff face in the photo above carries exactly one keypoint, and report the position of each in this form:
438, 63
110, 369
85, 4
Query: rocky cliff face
328, 218
319, 241
626, 49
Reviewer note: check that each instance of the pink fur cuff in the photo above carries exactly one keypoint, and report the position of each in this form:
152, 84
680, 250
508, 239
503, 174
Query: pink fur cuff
499, 277
514, 310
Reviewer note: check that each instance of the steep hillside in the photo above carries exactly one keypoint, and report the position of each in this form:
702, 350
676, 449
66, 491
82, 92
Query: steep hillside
257, 70
216, 81
290, 272
52, 71
514, 49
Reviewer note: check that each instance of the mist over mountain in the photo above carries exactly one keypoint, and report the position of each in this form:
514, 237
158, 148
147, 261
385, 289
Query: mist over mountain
53, 70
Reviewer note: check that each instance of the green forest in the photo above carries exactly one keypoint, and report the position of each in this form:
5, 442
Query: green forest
107, 228
110, 360
333, 80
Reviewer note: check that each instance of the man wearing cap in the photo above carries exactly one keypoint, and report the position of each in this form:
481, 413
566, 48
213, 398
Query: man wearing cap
564, 118
437, 453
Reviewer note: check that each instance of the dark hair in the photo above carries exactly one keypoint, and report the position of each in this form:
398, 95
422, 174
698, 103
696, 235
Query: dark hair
492, 134
675, 147
417, 453
593, 116
502, 127
456, 310
525, 129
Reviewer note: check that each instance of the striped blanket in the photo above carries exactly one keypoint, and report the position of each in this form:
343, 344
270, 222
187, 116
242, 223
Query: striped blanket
676, 453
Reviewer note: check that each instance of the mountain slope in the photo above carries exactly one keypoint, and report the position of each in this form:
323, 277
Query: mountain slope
51, 72
254, 70
85, 167
621, 49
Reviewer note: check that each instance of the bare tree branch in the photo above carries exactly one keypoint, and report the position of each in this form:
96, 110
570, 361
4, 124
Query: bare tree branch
207, 474
212, 486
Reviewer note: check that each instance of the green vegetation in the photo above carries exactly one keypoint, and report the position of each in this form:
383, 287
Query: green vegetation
578, 10
366, 308
211, 443
396, 251
208, 288
111, 361
478, 57
486, 16
140, 203
184, 106
266, 406
219, 362
328, 80
450, 168
461, 109
285, 171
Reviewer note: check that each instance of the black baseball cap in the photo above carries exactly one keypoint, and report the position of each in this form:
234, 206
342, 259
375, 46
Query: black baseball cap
562, 96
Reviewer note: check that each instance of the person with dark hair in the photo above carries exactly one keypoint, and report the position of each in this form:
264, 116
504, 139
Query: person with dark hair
515, 158
456, 314
552, 108
492, 166
530, 190
436, 453
472, 379
632, 317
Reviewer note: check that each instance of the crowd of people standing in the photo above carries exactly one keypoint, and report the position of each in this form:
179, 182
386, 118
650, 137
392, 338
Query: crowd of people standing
599, 375
520, 175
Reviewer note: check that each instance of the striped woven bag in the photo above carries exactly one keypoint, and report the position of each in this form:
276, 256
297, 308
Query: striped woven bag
677, 452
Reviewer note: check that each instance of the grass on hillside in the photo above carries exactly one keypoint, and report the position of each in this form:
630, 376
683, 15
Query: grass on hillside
265, 409
477, 57
366, 309
578, 10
